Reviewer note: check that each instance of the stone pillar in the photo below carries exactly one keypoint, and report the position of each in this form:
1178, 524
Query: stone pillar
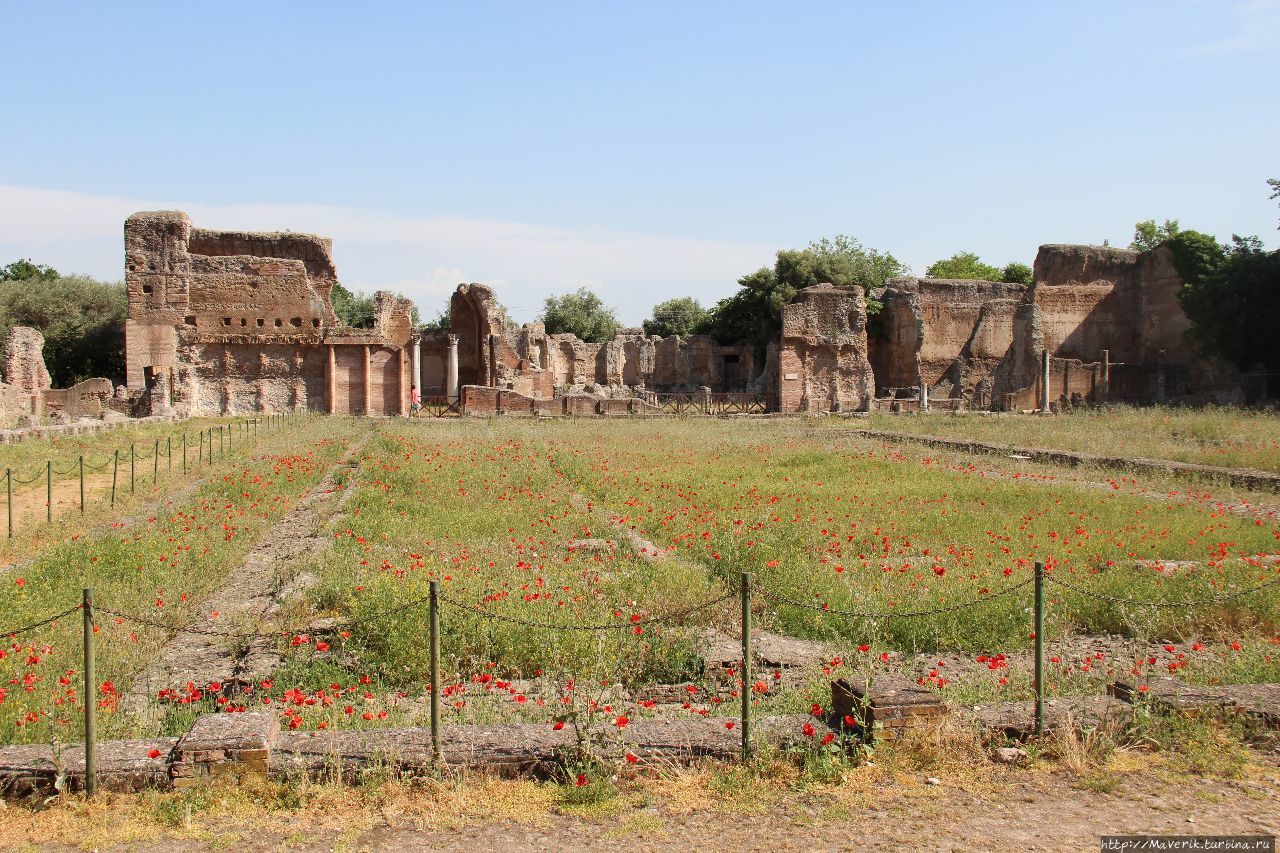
331, 381
1044, 382
924, 396
368, 381
1105, 389
493, 360
415, 381
402, 394
451, 370
1160, 379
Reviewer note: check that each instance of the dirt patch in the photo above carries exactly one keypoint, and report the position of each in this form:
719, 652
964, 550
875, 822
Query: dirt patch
229, 638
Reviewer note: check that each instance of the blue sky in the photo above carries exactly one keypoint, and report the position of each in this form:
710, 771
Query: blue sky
646, 150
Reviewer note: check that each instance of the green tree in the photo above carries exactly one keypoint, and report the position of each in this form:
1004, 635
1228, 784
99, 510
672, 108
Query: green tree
754, 313
1274, 183
580, 313
682, 316
965, 265
1016, 273
353, 309
1232, 297
1147, 235
442, 321
24, 270
82, 321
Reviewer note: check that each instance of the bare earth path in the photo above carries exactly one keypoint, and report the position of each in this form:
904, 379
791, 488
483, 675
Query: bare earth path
249, 598
999, 809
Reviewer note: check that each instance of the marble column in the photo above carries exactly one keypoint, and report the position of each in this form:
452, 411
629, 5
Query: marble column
451, 370
415, 380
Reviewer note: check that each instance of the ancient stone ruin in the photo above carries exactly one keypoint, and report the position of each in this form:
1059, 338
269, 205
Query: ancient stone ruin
27, 394
229, 322
233, 321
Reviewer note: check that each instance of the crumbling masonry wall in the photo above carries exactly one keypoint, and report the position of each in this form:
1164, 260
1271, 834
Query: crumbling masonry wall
235, 321
822, 359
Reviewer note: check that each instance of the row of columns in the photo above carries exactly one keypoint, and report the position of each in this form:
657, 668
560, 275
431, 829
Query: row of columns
415, 377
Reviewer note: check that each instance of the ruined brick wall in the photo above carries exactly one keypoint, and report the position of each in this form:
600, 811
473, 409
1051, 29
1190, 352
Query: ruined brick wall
1091, 299
87, 399
949, 334
237, 321
823, 354
633, 360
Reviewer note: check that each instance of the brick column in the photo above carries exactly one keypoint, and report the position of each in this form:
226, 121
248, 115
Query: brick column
368, 381
331, 381
403, 392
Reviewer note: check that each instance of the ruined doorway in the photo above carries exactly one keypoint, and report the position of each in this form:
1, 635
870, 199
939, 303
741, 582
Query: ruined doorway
732, 372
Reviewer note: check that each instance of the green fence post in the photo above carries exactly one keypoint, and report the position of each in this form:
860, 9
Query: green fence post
155, 464
115, 475
435, 671
8, 482
1039, 648
48, 480
90, 702
82, 484
746, 666
133, 468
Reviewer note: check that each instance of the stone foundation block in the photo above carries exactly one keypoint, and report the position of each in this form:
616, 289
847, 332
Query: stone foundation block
887, 707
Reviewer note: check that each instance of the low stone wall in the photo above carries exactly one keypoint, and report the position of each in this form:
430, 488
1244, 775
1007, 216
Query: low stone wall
1247, 478
239, 743
82, 427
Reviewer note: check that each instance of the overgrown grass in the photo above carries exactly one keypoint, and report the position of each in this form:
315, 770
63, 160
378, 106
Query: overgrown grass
160, 568
1234, 438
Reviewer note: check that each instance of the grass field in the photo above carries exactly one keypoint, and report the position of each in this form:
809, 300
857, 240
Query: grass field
1233, 438
552, 523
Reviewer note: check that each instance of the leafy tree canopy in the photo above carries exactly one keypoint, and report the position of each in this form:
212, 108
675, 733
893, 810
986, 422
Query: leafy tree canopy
1232, 296
580, 313
1016, 273
754, 313
353, 309
24, 270
82, 321
1147, 235
967, 265
682, 316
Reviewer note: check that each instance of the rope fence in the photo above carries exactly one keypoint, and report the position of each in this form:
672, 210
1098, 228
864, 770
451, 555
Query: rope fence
678, 617
166, 448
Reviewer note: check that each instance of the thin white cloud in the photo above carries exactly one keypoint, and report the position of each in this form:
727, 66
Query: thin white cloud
423, 257
1257, 27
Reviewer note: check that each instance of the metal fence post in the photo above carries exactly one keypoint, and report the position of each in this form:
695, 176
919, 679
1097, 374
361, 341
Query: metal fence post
90, 701
1039, 648
168, 443
48, 481
82, 484
133, 468
115, 474
435, 671
155, 463
8, 483
746, 666
209, 456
